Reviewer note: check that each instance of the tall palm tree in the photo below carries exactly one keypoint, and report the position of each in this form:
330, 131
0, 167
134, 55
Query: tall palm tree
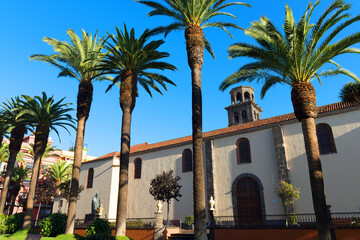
76, 59
17, 128
295, 58
192, 16
19, 175
60, 171
130, 60
351, 93
45, 114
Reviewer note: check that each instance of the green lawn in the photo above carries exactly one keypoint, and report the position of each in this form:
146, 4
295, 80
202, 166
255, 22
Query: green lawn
19, 235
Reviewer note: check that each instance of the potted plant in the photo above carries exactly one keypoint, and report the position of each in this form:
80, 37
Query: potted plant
189, 220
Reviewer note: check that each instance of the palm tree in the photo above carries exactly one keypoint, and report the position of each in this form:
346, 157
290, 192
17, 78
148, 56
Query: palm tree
192, 16
76, 60
49, 151
17, 128
295, 58
130, 60
19, 175
60, 171
45, 114
4, 126
351, 93
5, 153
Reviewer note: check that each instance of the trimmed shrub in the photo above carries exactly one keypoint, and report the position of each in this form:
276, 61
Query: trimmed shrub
53, 225
3, 220
14, 222
189, 220
135, 224
98, 226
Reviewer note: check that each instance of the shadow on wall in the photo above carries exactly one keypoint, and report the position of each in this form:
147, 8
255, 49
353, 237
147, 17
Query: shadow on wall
184, 206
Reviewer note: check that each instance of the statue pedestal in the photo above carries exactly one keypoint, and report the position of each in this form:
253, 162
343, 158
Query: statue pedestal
159, 223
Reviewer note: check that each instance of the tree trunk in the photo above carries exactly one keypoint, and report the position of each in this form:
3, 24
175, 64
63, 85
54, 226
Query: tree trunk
83, 110
16, 191
128, 90
304, 102
195, 50
16, 138
41, 138
38, 212
57, 187
168, 207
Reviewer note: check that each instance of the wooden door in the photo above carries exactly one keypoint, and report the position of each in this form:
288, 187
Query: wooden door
248, 202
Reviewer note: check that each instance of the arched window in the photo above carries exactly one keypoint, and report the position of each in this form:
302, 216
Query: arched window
187, 160
325, 138
137, 168
247, 96
236, 117
90, 178
243, 151
243, 116
238, 97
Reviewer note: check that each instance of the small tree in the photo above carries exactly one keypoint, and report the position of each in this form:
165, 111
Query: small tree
45, 192
288, 194
164, 187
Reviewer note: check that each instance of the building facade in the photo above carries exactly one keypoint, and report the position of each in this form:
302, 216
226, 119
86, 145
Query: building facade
243, 163
25, 153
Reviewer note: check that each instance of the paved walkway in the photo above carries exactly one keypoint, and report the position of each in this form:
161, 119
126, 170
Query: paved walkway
33, 237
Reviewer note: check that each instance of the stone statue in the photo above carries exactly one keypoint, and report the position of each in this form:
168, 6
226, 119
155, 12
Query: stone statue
95, 203
212, 203
159, 206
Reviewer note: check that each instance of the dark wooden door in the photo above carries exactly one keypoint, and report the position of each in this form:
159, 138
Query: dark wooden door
248, 202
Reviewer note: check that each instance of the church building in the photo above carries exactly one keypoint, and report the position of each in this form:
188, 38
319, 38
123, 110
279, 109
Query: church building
243, 162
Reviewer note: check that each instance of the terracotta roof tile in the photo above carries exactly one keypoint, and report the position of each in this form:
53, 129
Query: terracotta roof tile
184, 140
235, 128
109, 155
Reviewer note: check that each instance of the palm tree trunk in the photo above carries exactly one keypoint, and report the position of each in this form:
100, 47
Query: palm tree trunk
16, 191
57, 187
41, 138
195, 50
316, 178
305, 108
16, 138
127, 103
83, 110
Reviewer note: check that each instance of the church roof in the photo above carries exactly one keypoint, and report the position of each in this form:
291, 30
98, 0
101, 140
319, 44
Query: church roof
325, 110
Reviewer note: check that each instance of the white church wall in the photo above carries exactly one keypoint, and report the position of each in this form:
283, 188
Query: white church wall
341, 169
101, 185
114, 187
141, 204
263, 165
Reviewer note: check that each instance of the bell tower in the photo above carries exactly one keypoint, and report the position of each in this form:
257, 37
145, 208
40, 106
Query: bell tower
243, 108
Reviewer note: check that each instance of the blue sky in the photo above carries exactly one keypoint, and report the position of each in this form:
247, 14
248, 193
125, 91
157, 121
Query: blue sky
24, 23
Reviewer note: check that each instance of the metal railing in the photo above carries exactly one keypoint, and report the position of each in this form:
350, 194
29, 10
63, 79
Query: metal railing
339, 220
